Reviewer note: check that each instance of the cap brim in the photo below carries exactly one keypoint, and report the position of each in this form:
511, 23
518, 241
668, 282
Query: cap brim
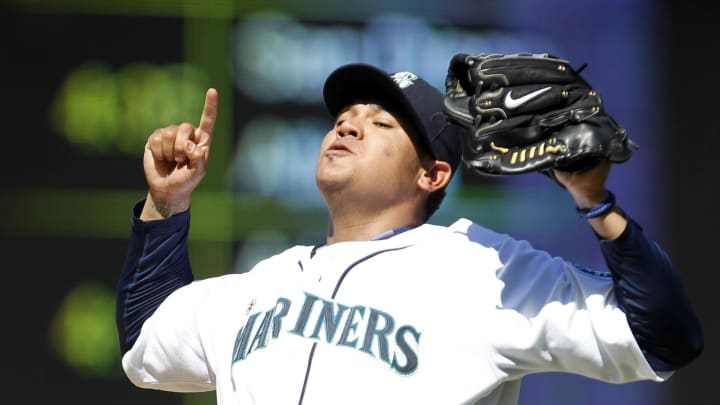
362, 83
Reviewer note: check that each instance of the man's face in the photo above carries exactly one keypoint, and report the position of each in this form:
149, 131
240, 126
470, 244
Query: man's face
368, 157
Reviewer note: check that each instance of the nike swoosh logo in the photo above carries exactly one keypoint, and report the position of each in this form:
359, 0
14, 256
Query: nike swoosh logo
511, 102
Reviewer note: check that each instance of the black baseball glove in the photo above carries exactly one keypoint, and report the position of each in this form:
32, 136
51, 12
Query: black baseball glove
529, 112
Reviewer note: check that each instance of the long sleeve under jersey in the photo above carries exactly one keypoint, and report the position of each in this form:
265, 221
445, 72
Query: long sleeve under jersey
157, 264
647, 286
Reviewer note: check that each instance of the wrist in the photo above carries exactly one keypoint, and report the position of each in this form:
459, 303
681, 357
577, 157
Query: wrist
159, 206
596, 210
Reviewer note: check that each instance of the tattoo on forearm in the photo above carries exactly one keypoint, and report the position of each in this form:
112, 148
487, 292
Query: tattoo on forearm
164, 209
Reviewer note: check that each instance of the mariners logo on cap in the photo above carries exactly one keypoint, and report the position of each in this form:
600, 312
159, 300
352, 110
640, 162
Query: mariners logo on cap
404, 79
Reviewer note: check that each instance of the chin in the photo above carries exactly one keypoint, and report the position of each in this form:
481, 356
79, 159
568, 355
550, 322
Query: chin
330, 184
332, 176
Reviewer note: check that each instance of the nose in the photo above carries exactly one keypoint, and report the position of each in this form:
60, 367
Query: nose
349, 128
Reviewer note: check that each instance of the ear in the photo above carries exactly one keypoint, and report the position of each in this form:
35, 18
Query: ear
435, 176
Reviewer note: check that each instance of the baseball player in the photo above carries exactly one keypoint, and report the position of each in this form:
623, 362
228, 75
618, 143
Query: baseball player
390, 309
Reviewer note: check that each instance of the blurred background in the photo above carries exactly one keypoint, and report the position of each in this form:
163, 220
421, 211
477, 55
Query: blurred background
84, 82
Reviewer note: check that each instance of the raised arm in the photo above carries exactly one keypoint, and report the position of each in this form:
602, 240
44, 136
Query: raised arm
175, 161
649, 290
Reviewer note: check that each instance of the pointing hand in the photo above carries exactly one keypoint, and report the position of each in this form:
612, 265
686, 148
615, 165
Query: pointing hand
175, 161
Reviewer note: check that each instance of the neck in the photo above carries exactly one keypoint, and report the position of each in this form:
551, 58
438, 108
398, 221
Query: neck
382, 226
357, 217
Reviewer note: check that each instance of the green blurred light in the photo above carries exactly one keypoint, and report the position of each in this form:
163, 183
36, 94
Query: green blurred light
83, 331
85, 108
107, 111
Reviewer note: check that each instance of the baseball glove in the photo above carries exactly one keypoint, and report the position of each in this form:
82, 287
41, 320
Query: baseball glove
529, 112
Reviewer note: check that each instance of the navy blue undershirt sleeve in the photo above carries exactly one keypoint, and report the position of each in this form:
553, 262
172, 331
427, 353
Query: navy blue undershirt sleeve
654, 300
157, 263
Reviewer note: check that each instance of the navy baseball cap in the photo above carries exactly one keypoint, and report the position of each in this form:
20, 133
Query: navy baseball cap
415, 102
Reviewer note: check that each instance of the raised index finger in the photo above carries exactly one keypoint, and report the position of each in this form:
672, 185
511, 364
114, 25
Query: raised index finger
209, 114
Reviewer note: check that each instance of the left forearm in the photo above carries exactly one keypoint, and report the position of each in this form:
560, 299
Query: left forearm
649, 291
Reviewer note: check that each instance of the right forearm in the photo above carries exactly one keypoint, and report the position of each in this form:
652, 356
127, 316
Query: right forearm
157, 264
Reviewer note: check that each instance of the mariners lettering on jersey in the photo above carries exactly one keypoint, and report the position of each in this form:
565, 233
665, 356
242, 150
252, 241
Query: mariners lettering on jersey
362, 328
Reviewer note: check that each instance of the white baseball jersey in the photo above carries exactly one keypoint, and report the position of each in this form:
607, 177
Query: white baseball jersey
451, 315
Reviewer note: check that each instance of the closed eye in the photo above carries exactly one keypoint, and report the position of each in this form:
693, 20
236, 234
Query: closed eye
383, 124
